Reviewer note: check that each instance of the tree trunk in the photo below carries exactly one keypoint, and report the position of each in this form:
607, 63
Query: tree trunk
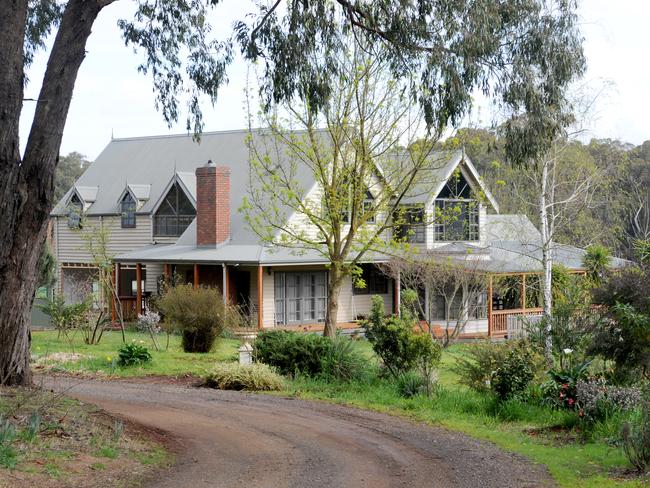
27, 185
547, 264
334, 281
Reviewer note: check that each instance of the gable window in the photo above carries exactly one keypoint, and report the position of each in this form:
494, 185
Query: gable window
75, 208
411, 227
456, 211
376, 282
174, 215
128, 211
366, 206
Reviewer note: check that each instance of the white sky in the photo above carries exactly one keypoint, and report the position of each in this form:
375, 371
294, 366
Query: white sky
111, 97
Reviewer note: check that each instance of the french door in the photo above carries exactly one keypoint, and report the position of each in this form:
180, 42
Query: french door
300, 297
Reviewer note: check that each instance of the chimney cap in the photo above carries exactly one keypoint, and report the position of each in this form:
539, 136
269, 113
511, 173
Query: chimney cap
210, 164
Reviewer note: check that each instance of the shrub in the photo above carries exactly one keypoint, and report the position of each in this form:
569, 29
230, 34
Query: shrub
597, 400
199, 314
252, 377
292, 352
133, 355
561, 390
635, 437
412, 383
342, 361
394, 341
514, 374
148, 322
482, 359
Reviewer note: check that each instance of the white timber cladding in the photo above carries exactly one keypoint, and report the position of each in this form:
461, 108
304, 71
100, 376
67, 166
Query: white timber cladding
153, 271
70, 246
351, 306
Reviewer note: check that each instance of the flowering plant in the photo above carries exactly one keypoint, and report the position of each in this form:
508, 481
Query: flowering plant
561, 391
148, 322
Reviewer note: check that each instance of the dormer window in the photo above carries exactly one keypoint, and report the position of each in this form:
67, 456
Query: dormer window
128, 205
174, 215
75, 208
456, 211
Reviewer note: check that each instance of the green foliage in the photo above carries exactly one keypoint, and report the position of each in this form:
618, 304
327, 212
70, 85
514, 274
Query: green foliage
623, 336
642, 251
562, 389
635, 436
199, 314
394, 341
514, 374
69, 169
65, 317
292, 352
596, 261
343, 361
412, 383
8, 454
475, 368
47, 267
252, 377
133, 355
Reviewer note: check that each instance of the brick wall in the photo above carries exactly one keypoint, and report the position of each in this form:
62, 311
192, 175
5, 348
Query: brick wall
213, 205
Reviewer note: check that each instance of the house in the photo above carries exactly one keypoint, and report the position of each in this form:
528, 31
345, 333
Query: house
170, 211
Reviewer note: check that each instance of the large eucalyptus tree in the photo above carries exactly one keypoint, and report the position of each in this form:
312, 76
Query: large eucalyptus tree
522, 52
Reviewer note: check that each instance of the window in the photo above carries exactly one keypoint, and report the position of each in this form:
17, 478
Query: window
174, 215
456, 220
376, 282
75, 208
412, 227
128, 211
300, 297
368, 206
456, 211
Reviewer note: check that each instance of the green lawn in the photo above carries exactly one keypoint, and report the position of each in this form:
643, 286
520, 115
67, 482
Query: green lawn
102, 357
514, 426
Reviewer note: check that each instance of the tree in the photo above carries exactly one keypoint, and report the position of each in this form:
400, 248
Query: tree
560, 198
69, 169
365, 164
454, 287
524, 52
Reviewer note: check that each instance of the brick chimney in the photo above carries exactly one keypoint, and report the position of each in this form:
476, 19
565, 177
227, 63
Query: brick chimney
212, 204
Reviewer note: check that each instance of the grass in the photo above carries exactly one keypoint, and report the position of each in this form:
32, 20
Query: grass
46, 437
542, 434
102, 358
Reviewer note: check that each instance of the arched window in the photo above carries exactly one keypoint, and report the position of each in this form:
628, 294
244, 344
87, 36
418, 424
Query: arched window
174, 215
75, 208
128, 211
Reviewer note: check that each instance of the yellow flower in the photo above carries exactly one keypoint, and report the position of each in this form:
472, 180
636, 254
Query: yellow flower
108, 358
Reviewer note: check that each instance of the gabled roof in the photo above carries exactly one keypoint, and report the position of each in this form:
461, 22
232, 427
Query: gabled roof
432, 180
140, 193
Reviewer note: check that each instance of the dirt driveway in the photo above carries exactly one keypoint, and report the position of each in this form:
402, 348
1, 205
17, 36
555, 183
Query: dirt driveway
229, 439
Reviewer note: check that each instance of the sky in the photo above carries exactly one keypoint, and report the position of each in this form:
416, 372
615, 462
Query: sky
111, 99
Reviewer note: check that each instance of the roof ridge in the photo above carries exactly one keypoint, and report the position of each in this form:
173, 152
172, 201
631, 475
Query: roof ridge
207, 133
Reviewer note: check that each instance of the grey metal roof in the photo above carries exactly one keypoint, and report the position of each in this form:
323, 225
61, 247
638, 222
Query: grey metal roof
155, 161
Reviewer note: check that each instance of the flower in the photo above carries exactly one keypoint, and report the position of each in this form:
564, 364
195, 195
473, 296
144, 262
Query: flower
567, 351
109, 359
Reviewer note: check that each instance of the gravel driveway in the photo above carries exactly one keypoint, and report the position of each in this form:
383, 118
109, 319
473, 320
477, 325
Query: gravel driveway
232, 439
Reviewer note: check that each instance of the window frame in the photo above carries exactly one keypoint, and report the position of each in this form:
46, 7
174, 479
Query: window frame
471, 224
177, 222
419, 229
128, 217
376, 281
75, 211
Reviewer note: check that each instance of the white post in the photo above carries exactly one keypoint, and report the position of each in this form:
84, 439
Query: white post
245, 353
